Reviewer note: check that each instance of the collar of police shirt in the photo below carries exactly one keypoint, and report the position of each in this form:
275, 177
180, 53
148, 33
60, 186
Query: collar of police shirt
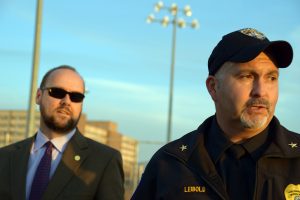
37, 151
235, 163
217, 143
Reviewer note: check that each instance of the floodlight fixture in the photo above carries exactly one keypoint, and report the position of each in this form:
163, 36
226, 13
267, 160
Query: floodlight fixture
176, 22
195, 24
158, 6
187, 11
173, 9
181, 23
150, 18
165, 21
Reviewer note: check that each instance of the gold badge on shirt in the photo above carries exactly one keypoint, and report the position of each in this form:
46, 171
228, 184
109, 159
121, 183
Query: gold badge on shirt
292, 192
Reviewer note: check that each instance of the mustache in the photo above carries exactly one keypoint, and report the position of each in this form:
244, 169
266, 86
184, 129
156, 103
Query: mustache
258, 101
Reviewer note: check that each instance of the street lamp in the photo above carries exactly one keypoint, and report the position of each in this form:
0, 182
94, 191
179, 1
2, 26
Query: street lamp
174, 10
30, 128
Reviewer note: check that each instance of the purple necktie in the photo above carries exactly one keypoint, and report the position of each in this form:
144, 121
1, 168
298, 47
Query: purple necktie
41, 177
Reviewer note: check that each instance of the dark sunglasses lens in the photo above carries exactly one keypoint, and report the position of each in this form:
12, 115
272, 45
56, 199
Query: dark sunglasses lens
61, 93
76, 97
57, 93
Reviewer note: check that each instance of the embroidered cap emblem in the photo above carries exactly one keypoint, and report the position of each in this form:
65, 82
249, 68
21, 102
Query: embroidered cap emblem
292, 192
253, 33
183, 147
293, 145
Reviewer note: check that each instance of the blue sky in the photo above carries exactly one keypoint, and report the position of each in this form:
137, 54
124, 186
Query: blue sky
126, 62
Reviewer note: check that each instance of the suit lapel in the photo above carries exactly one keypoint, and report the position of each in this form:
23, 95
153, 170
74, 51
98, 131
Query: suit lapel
73, 156
19, 164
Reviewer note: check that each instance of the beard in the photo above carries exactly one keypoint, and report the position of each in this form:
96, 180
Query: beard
257, 121
55, 124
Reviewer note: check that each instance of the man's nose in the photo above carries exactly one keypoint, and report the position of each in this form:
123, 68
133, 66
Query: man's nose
259, 88
66, 100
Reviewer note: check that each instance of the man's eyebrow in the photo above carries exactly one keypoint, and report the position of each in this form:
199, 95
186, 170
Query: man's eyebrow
276, 72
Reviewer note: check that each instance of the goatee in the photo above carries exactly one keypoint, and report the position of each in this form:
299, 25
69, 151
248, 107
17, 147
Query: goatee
52, 124
255, 122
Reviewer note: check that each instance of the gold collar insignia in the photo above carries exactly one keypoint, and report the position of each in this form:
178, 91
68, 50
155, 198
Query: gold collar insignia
183, 147
293, 145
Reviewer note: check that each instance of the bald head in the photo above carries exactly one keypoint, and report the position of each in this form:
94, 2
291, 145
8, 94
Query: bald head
61, 67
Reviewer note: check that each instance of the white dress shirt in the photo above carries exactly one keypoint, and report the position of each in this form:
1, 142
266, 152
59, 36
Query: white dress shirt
37, 152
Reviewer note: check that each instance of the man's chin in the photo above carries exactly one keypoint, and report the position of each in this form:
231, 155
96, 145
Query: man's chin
62, 129
254, 122
62, 118
62, 126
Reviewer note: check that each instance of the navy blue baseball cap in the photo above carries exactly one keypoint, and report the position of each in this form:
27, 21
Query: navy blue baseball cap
244, 45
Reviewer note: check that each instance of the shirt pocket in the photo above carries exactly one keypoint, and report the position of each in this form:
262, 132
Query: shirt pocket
280, 187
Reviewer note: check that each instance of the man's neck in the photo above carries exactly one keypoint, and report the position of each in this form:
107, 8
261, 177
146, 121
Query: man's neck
237, 133
50, 134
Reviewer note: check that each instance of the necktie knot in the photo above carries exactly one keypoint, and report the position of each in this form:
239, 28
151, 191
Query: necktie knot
49, 147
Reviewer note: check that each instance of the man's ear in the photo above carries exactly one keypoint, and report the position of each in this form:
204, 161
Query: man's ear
211, 85
38, 97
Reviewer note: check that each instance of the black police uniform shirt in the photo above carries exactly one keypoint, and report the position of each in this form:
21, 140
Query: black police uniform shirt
236, 163
184, 169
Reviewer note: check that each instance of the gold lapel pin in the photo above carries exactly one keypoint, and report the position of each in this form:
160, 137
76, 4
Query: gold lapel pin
77, 157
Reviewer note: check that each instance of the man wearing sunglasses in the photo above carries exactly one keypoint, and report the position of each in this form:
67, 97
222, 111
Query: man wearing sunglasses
58, 162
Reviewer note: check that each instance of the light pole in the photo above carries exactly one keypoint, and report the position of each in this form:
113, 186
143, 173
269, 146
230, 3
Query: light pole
181, 23
35, 66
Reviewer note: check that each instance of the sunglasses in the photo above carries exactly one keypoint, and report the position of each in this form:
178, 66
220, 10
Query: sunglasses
60, 93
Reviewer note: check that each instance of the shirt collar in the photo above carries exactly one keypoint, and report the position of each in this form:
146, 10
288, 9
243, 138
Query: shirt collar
217, 143
256, 144
59, 142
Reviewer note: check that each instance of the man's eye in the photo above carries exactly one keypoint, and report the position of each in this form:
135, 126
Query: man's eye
273, 78
246, 76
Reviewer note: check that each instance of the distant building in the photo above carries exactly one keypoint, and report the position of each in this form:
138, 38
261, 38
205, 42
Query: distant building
13, 125
13, 128
128, 148
140, 170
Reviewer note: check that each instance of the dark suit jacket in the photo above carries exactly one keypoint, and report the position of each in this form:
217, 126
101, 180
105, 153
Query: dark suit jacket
97, 175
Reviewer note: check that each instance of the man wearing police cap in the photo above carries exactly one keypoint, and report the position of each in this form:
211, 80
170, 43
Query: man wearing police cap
241, 152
